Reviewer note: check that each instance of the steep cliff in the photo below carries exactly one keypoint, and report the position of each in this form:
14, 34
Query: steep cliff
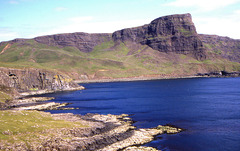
34, 79
83, 41
175, 33
169, 46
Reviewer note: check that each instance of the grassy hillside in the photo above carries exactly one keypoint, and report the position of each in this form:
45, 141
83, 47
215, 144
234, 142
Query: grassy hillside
107, 60
29, 127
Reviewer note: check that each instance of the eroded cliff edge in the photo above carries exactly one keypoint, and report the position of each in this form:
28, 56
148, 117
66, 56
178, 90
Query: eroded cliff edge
83, 41
17, 83
35, 79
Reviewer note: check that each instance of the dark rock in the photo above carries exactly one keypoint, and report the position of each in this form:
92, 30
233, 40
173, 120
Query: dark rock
83, 41
219, 74
34, 79
175, 33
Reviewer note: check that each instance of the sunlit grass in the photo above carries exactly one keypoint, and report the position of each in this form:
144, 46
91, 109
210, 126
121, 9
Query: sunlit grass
108, 59
23, 125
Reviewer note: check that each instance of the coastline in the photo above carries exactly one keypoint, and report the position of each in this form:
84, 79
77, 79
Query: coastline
103, 132
32, 105
129, 79
30, 101
118, 134
222, 74
40, 92
98, 132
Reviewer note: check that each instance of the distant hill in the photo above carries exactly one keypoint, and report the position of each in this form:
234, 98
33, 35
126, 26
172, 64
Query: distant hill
169, 47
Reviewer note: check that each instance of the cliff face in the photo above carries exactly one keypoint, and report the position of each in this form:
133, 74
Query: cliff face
34, 79
224, 46
175, 33
169, 45
83, 41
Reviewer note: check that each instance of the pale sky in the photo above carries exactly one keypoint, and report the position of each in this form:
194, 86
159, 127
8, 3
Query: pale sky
31, 18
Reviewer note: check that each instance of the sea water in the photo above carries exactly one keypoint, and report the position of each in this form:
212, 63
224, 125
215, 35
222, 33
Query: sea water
208, 108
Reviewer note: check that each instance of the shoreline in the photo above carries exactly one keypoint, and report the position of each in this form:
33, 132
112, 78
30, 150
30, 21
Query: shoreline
32, 105
31, 101
118, 134
105, 132
101, 132
130, 79
142, 78
40, 92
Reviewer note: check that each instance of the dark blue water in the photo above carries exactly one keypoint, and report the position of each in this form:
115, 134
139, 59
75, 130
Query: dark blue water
208, 108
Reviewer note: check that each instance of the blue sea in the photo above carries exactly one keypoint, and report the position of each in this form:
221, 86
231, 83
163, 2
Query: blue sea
208, 108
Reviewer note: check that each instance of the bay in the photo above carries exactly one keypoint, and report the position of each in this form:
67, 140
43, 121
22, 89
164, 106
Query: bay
208, 108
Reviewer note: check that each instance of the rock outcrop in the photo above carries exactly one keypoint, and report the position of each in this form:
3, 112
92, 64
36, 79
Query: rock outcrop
35, 79
224, 46
101, 132
154, 47
83, 41
175, 33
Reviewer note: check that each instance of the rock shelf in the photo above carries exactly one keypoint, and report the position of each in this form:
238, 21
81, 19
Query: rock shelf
101, 132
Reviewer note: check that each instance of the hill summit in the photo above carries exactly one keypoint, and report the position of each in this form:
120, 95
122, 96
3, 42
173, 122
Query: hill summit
169, 46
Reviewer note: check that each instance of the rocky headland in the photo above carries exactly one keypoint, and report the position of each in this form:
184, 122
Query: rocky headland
30, 82
36, 80
100, 132
167, 47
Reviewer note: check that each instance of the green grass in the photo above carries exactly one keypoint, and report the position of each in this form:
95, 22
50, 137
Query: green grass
212, 48
6, 93
4, 96
217, 51
3, 46
207, 46
106, 60
104, 45
185, 32
183, 56
24, 125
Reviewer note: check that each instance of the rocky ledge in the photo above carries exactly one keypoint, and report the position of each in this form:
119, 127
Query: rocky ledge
36, 103
42, 106
45, 91
103, 133
219, 74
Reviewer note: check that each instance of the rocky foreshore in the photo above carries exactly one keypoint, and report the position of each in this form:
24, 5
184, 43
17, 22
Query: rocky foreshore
39, 92
141, 78
42, 106
219, 74
102, 132
161, 77
29, 101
